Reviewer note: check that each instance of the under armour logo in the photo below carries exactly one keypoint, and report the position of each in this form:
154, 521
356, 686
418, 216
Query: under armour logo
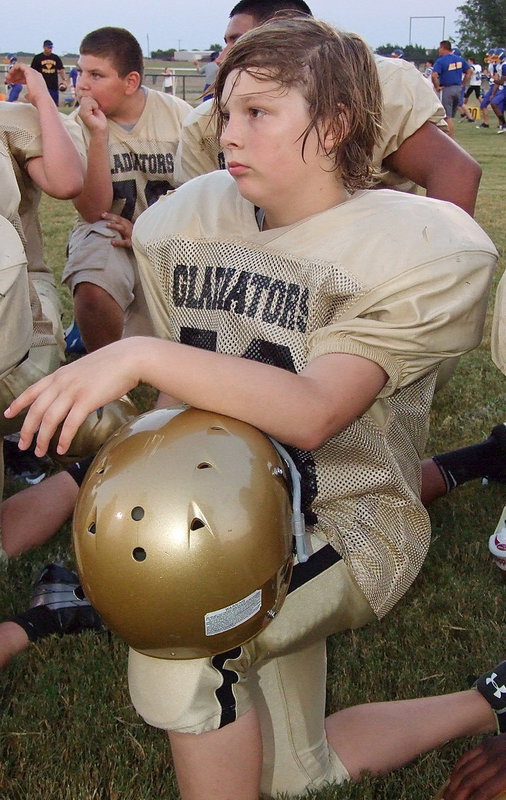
499, 690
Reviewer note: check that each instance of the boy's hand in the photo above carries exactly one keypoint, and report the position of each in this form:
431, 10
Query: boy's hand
33, 80
123, 226
481, 773
73, 392
92, 115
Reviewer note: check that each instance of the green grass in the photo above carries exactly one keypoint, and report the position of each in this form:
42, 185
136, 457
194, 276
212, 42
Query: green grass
67, 730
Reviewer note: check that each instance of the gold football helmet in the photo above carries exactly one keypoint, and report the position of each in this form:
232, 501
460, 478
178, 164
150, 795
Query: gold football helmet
183, 533
95, 430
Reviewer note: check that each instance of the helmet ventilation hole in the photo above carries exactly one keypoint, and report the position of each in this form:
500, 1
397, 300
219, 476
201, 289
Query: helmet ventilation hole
196, 524
139, 553
204, 465
137, 513
92, 528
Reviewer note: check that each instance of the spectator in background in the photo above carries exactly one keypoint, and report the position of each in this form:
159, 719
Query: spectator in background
474, 84
52, 70
14, 89
168, 80
429, 66
209, 70
73, 75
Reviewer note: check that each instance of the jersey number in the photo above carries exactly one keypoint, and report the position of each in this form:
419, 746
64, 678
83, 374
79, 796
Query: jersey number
127, 191
276, 355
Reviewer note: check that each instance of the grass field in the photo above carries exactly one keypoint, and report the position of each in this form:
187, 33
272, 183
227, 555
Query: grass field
67, 730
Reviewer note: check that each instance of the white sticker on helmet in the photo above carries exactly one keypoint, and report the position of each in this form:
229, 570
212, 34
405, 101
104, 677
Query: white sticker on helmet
224, 619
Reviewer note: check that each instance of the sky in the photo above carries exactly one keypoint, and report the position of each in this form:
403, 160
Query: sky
195, 24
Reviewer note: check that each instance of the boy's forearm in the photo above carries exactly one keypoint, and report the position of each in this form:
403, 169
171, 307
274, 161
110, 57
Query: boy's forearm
97, 194
302, 409
59, 170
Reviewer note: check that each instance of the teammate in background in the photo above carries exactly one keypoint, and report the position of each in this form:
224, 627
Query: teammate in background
276, 311
397, 53
38, 142
450, 73
47, 153
131, 134
412, 150
52, 70
445, 471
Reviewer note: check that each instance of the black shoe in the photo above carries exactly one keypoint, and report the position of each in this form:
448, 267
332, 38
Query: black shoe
24, 464
59, 591
497, 469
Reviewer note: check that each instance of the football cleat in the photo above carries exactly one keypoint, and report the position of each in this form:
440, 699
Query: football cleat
58, 589
24, 464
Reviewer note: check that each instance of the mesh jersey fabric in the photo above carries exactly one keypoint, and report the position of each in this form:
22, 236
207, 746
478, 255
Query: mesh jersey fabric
142, 158
348, 280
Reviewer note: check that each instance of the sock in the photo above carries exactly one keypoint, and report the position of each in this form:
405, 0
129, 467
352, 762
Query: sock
78, 470
486, 459
37, 622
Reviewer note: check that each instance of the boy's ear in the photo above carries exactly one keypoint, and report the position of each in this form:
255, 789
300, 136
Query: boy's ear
334, 131
132, 82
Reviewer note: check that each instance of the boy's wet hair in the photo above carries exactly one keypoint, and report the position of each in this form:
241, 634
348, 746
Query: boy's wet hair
336, 74
263, 10
118, 45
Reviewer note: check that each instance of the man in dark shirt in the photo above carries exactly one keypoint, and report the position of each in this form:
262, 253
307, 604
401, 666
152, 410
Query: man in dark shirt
52, 69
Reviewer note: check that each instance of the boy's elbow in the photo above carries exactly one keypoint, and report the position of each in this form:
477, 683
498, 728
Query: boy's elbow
312, 434
307, 442
68, 189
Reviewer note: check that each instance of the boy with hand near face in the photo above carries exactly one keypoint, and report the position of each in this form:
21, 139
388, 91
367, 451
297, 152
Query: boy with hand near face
131, 134
274, 307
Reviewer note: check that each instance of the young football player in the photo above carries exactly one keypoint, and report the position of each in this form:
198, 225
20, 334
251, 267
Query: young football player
35, 141
47, 154
131, 134
273, 307
411, 150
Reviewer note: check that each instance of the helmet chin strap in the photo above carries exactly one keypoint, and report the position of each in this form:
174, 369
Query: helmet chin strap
303, 546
